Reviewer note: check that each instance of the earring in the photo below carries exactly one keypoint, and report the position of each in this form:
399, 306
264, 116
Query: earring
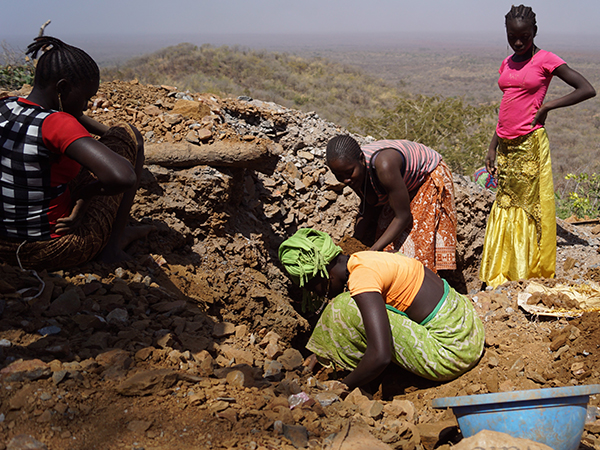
60, 108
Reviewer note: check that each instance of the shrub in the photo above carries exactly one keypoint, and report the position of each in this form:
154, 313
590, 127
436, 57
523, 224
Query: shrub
582, 199
16, 69
460, 132
14, 77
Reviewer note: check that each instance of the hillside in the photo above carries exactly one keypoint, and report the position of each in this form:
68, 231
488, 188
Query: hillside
335, 90
198, 341
356, 88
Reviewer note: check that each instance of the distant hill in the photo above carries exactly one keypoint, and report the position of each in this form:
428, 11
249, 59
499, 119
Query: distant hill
336, 91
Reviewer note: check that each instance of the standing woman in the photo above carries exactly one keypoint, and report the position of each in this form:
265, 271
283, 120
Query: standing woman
407, 197
520, 239
64, 196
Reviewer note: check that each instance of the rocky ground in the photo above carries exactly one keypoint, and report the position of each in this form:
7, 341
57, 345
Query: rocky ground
198, 341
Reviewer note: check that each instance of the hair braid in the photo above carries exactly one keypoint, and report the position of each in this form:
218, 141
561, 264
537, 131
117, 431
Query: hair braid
343, 147
521, 12
60, 60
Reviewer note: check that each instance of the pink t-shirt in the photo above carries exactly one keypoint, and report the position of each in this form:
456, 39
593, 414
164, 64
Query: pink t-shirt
524, 85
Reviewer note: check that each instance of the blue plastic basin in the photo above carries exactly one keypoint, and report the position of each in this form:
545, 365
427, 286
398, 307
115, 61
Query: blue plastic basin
553, 416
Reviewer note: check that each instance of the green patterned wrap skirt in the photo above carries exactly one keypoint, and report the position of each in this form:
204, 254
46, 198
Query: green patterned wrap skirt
443, 348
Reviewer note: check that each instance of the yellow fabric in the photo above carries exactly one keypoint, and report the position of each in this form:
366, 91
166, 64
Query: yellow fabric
520, 239
396, 277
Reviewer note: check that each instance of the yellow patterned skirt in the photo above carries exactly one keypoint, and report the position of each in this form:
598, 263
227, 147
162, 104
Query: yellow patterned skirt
520, 239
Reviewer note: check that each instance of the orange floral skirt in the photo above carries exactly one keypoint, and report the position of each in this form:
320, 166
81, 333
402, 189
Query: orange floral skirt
432, 237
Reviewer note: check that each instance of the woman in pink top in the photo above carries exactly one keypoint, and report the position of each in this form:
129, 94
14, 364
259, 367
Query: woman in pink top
520, 240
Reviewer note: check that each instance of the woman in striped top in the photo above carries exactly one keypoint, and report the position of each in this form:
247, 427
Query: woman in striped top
407, 197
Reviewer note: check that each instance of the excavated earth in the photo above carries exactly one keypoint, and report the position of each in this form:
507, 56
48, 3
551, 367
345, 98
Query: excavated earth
197, 342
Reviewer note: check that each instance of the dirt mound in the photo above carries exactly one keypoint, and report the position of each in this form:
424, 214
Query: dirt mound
198, 341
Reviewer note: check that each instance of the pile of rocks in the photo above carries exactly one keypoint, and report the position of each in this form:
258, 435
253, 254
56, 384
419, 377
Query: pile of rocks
197, 341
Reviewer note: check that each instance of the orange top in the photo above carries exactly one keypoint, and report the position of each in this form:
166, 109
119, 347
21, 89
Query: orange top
396, 277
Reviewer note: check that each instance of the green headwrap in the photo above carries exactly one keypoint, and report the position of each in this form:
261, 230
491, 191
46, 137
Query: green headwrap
306, 255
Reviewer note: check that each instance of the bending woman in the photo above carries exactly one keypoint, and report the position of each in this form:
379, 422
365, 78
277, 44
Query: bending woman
395, 310
520, 238
407, 197
64, 196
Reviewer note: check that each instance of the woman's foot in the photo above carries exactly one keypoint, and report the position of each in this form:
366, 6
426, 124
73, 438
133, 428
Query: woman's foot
114, 254
134, 233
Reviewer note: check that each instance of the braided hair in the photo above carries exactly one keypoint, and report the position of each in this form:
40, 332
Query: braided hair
343, 148
60, 60
521, 12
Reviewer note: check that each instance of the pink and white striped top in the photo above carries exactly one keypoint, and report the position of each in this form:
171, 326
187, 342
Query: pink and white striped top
419, 162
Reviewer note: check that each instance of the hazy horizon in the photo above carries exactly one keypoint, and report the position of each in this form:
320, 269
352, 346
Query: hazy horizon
115, 49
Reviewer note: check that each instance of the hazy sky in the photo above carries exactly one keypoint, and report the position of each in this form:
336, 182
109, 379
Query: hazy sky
21, 19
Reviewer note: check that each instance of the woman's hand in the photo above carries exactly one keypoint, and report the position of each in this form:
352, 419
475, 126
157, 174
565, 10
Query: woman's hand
540, 117
490, 159
66, 225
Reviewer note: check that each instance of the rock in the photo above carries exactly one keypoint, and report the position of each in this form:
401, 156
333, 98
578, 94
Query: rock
291, 359
355, 435
487, 439
21, 397
65, 304
269, 338
29, 370
326, 398
331, 182
120, 287
238, 355
402, 409
306, 155
230, 414
356, 397
25, 442
86, 322
436, 433
272, 370
166, 340
297, 434
204, 134
59, 376
139, 426
558, 342
144, 354
147, 382
371, 408
117, 317
49, 330
115, 363
593, 427
173, 119
223, 329
272, 351
535, 376
191, 109
152, 110
192, 137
